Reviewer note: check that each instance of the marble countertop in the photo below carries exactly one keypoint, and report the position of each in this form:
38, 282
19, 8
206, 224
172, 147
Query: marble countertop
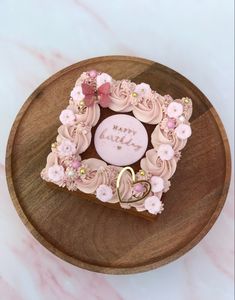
38, 38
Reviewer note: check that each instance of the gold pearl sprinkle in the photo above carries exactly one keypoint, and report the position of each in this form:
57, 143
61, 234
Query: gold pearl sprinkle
82, 103
53, 145
142, 173
186, 100
82, 171
134, 94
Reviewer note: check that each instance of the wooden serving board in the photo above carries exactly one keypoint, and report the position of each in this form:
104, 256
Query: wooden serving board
98, 238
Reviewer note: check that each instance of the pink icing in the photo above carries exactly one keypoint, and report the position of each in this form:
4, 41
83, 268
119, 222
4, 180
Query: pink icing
159, 136
90, 116
153, 164
149, 109
80, 138
121, 96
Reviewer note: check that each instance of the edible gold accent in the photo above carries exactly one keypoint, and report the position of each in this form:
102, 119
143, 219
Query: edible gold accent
186, 100
134, 94
131, 200
82, 171
53, 145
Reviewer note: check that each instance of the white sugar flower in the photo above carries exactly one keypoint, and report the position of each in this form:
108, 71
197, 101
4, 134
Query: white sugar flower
183, 131
153, 205
67, 148
142, 89
67, 117
157, 184
55, 173
77, 93
174, 109
103, 78
165, 152
104, 193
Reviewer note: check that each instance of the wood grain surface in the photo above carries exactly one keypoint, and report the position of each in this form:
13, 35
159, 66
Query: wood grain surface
98, 238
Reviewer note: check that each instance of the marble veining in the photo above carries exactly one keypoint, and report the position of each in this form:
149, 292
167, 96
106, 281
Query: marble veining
38, 38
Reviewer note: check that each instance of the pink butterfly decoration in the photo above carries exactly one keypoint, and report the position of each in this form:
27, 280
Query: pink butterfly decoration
102, 94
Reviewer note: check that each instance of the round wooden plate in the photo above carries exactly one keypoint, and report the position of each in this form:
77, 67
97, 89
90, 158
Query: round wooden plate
102, 239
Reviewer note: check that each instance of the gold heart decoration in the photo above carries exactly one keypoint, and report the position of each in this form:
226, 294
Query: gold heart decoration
135, 199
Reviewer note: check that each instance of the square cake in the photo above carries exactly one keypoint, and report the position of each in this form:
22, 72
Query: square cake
120, 140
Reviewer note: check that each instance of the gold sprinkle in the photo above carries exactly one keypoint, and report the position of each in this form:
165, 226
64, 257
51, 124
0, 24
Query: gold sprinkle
186, 100
82, 171
142, 173
53, 145
82, 103
134, 94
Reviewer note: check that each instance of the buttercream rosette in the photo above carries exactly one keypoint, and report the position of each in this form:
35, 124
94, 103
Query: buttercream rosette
121, 95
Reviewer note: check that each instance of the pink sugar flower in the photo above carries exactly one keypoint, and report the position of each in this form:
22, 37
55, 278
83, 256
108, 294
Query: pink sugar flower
92, 73
66, 148
67, 117
157, 184
171, 123
174, 109
183, 131
153, 205
55, 173
139, 188
76, 163
165, 152
104, 193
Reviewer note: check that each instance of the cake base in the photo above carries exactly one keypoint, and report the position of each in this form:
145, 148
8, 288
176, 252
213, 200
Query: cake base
142, 214
107, 240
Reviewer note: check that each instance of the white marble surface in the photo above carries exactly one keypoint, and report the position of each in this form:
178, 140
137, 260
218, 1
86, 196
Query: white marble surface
38, 38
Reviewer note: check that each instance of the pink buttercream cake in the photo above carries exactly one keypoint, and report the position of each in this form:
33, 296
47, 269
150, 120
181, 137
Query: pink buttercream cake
120, 140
